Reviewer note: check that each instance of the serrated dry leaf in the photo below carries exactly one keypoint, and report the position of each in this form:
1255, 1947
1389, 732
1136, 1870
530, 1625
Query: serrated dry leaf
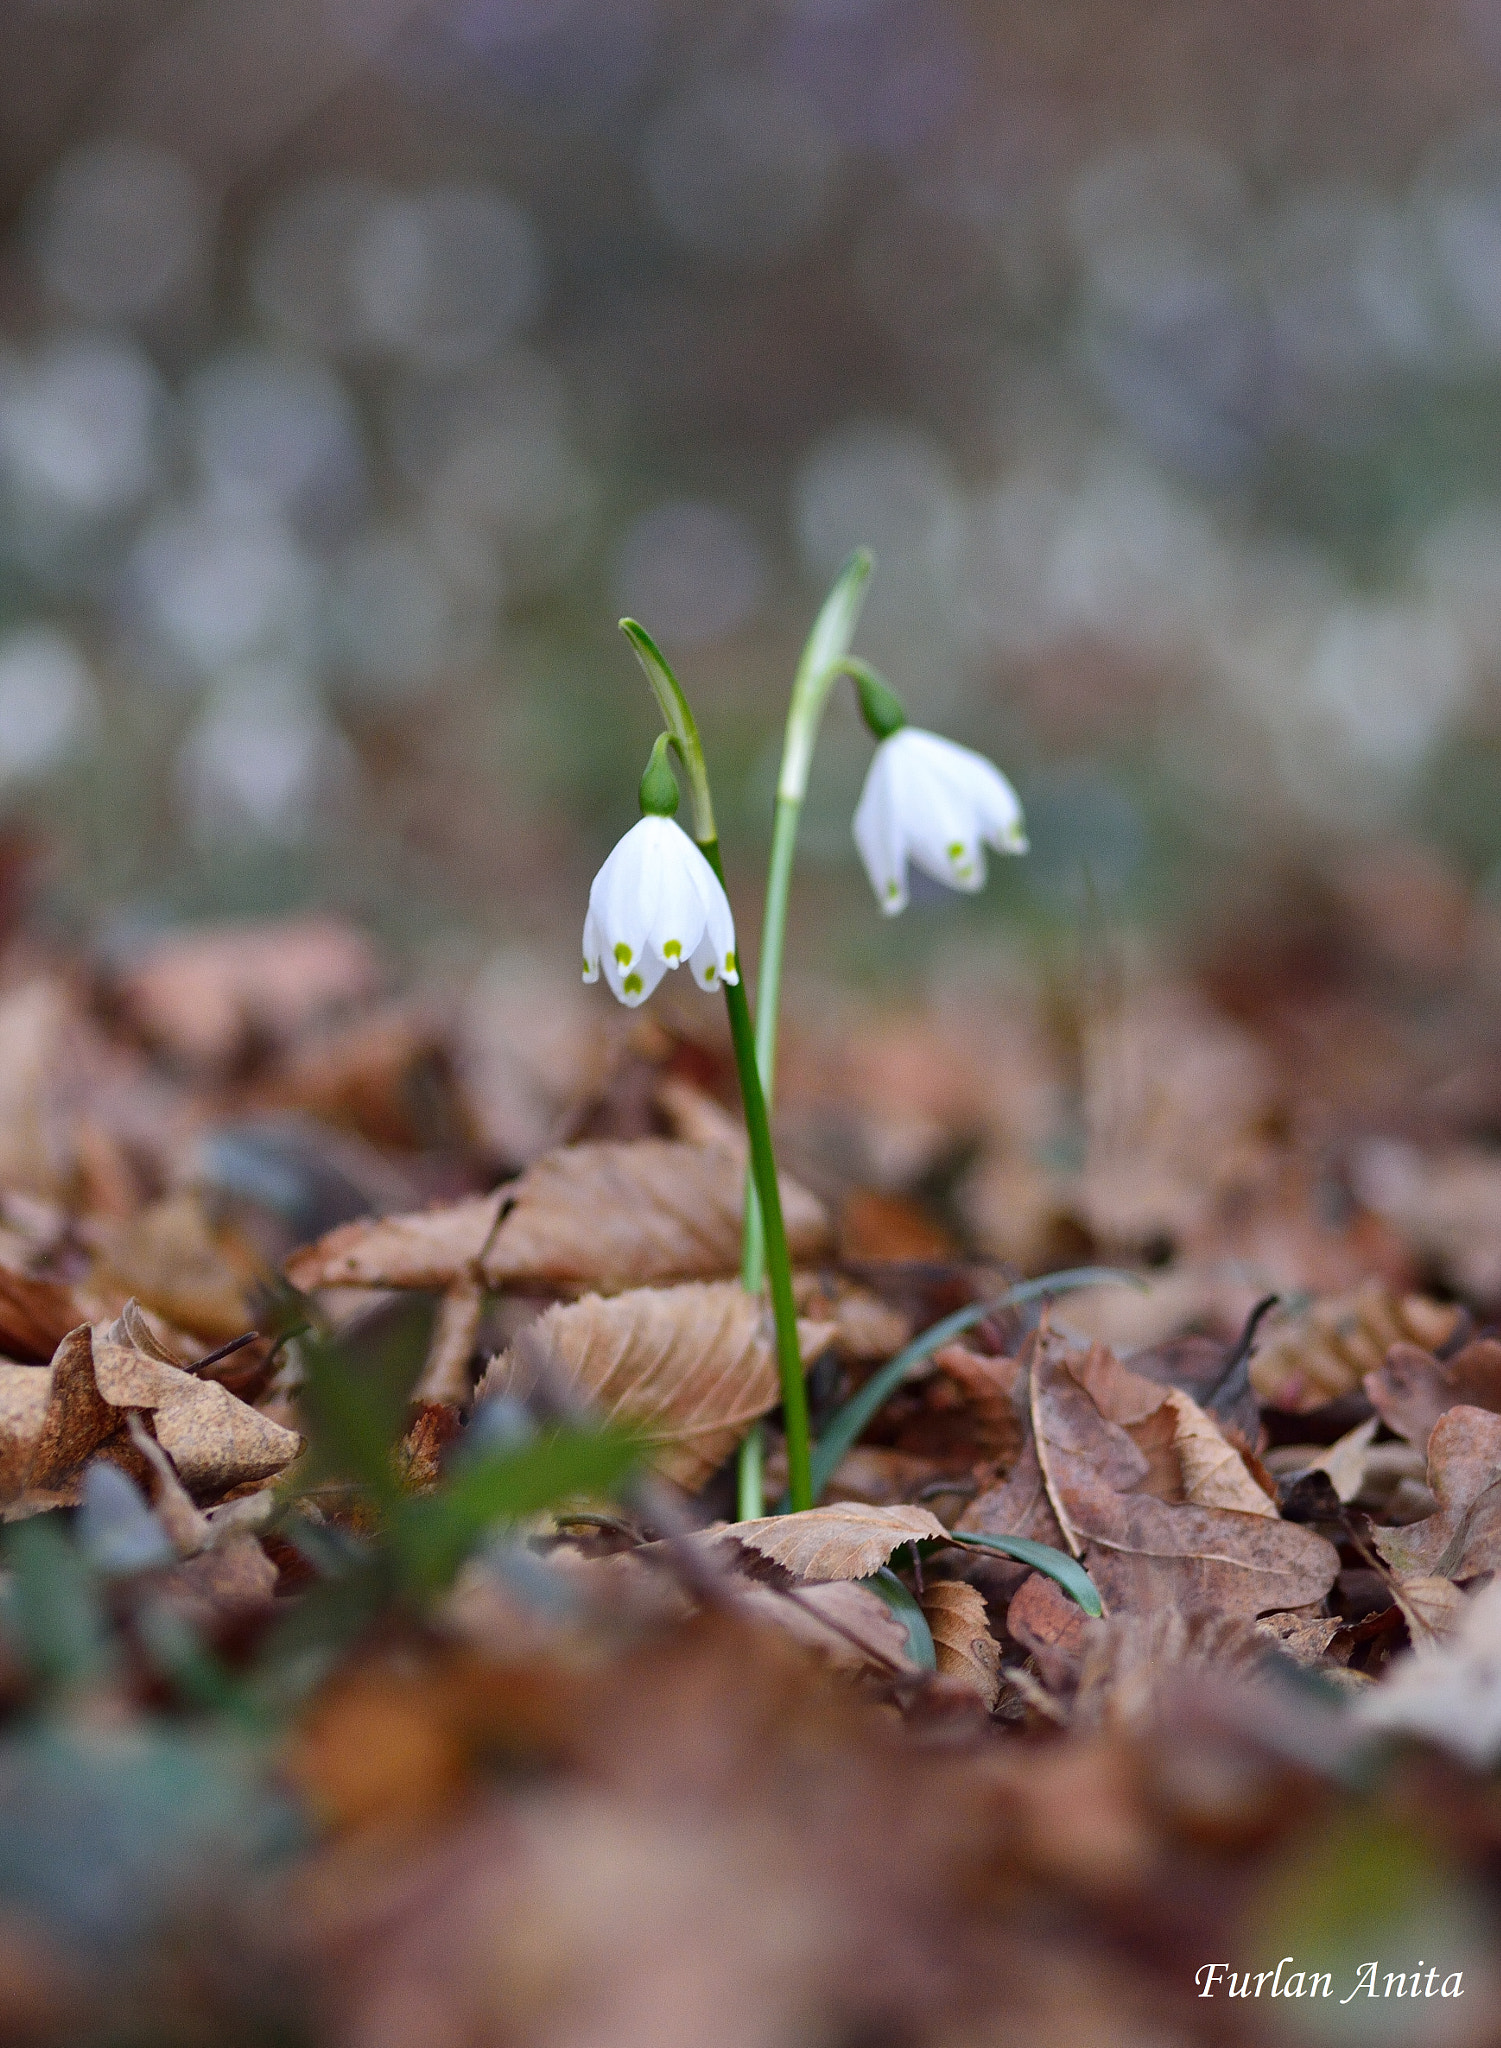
1413, 1388
1464, 1470
1143, 1551
690, 1367
846, 1540
962, 1642
1328, 1350
607, 1215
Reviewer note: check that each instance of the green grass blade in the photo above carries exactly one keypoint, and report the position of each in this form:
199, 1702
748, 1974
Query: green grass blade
902, 1604
844, 1427
1042, 1557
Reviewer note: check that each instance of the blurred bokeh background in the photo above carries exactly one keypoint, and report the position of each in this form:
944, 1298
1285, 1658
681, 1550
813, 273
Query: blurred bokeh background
362, 360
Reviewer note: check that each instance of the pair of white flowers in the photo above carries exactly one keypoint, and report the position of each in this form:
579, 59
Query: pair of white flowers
656, 902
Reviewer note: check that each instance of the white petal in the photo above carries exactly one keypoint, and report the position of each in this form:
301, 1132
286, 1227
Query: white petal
705, 966
719, 921
878, 834
678, 923
591, 947
997, 807
623, 897
632, 985
937, 816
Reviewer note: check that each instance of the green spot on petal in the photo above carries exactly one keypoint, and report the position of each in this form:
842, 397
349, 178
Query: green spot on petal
956, 850
672, 950
632, 984
892, 891
622, 952
710, 971
729, 963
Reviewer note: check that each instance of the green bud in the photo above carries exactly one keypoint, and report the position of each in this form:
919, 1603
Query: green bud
880, 706
659, 786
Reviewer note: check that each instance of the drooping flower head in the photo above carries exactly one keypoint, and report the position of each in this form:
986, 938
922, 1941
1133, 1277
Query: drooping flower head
929, 801
656, 903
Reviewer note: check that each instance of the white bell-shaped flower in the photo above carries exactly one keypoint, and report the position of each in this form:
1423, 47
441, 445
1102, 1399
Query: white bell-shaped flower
927, 800
655, 903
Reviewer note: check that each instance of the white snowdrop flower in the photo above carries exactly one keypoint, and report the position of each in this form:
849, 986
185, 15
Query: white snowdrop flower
927, 800
655, 903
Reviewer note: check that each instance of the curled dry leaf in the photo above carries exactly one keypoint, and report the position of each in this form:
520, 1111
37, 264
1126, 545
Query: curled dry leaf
53, 1419
1464, 1470
846, 1540
962, 1642
1413, 1388
1327, 1351
606, 1214
690, 1368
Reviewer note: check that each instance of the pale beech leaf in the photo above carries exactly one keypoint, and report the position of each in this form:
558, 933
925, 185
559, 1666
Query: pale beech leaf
689, 1368
962, 1642
607, 1215
845, 1540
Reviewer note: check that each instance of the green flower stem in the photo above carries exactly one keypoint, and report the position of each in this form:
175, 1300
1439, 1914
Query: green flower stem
680, 722
817, 671
778, 1263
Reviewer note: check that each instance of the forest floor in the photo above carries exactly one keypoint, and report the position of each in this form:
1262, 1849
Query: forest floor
382, 1663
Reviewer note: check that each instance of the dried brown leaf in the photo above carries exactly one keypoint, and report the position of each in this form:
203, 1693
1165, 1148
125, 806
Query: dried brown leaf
607, 1215
1143, 1551
1432, 1609
1413, 1388
426, 1248
1328, 1350
206, 995
880, 1638
1053, 1628
171, 1259
1464, 1470
962, 1643
1448, 1693
445, 1371
35, 1316
92, 1388
1303, 1637
846, 1540
1445, 1204
690, 1367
